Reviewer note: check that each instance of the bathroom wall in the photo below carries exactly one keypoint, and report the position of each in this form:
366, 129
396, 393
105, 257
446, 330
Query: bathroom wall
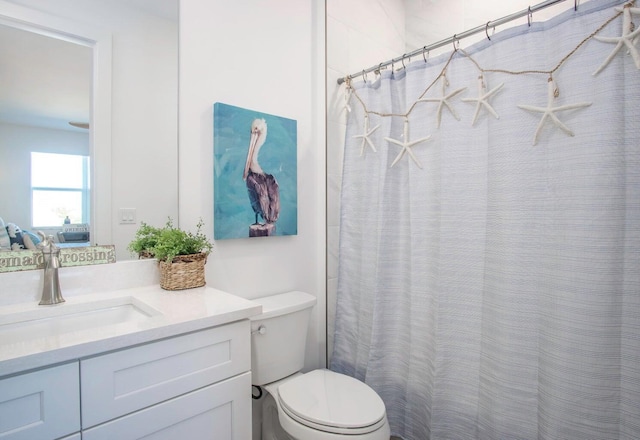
429, 21
361, 34
265, 56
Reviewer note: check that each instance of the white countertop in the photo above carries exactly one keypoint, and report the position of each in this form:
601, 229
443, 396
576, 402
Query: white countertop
174, 313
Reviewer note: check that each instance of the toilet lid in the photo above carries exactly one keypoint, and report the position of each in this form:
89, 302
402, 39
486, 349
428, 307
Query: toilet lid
332, 402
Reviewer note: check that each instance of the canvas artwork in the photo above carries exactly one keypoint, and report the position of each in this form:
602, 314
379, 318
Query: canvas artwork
255, 173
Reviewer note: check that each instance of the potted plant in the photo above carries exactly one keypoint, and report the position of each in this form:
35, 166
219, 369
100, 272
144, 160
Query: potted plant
144, 241
181, 255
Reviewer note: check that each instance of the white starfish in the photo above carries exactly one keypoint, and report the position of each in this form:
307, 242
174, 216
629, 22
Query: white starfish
347, 97
627, 38
366, 134
549, 111
444, 100
483, 99
406, 145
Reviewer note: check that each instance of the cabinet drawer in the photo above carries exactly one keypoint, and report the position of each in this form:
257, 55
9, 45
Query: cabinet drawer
124, 381
41, 405
217, 412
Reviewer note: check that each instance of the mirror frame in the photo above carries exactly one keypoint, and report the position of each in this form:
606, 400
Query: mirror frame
100, 42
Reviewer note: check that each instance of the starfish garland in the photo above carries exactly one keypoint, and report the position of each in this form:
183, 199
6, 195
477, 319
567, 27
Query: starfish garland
549, 110
627, 38
347, 97
483, 99
366, 134
444, 100
406, 145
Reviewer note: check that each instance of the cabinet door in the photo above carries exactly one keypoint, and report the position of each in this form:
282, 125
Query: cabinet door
217, 412
125, 381
42, 405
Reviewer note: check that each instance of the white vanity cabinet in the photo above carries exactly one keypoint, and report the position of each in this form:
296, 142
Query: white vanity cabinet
44, 404
221, 411
192, 386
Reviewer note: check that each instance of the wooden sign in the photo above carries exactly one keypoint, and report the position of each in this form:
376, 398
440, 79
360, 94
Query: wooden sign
13, 261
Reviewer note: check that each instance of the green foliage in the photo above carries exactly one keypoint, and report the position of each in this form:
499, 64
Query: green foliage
145, 239
167, 242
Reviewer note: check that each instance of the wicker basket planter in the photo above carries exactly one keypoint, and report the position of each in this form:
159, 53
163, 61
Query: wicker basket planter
186, 253
185, 272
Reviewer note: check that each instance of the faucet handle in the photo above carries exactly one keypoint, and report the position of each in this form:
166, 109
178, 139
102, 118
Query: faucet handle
47, 244
42, 236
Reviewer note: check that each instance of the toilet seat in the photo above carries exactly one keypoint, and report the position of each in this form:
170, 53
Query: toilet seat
332, 402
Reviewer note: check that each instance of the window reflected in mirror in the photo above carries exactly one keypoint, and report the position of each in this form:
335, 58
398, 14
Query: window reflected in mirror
59, 189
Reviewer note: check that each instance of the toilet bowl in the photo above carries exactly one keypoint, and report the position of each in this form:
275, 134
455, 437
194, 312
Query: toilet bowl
323, 404
318, 405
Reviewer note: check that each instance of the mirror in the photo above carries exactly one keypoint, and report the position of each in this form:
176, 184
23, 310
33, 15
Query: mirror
112, 64
47, 86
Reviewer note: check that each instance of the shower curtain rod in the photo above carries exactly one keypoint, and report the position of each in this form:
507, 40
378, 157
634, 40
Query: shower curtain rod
457, 37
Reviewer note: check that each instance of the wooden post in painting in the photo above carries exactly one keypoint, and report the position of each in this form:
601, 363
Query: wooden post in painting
258, 230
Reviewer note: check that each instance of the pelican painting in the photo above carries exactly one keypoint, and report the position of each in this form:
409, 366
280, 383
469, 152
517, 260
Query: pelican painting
268, 166
263, 189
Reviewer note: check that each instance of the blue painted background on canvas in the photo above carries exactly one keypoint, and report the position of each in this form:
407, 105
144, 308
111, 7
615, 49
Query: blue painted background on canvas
231, 132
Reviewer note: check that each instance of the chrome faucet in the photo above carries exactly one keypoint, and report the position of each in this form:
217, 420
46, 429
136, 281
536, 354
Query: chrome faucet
51, 293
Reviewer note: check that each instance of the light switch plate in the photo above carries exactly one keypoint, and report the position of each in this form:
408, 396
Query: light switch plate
127, 216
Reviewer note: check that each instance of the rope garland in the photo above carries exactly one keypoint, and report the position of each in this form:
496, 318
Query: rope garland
629, 33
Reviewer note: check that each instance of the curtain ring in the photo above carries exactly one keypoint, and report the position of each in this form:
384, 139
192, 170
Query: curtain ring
575, 5
454, 40
364, 75
529, 16
486, 30
424, 49
402, 59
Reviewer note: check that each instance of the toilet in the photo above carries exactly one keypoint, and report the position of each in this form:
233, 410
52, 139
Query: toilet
318, 405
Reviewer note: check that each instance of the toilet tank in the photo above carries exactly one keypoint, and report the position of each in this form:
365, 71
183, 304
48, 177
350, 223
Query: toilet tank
279, 336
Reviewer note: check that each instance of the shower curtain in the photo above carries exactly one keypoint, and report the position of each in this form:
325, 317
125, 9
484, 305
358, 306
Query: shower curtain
489, 288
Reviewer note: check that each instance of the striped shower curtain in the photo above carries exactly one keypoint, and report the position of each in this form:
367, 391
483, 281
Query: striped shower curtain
489, 285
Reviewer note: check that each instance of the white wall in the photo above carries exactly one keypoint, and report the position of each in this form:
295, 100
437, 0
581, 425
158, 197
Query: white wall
265, 56
144, 123
430, 21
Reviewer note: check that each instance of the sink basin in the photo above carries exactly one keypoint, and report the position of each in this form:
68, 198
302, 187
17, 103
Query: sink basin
65, 318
